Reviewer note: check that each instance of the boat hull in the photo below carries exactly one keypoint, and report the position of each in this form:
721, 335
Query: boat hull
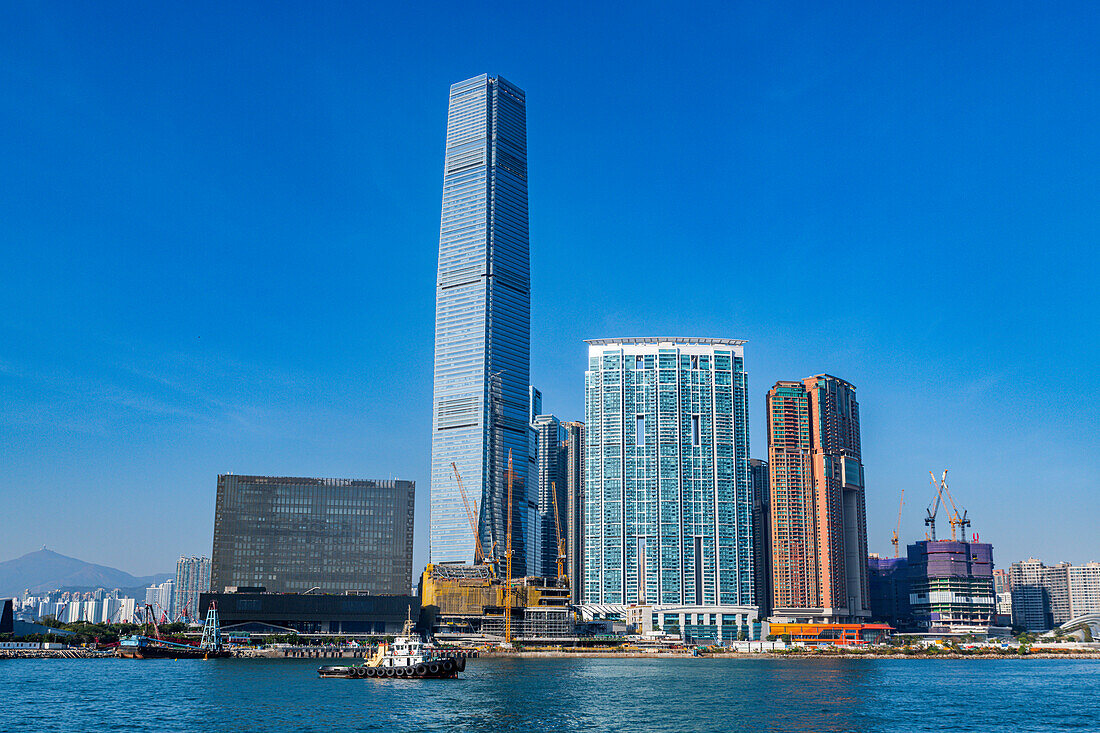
155, 652
441, 669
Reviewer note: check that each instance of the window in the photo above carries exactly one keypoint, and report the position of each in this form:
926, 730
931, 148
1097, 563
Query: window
695, 430
639, 430
638, 362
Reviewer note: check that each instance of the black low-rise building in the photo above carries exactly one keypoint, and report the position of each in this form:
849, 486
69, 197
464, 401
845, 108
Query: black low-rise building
280, 613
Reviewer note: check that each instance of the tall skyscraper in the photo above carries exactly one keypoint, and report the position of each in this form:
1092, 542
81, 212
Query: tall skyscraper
574, 469
761, 534
482, 331
818, 516
668, 505
290, 535
192, 578
550, 454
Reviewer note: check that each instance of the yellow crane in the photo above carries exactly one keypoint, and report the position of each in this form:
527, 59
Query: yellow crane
508, 562
954, 518
897, 527
562, 576
479, 556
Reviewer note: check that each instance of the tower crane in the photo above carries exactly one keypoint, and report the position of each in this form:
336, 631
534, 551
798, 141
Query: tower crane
934, 507
561, 544
956, 521
508, 562
479, 556
897, 527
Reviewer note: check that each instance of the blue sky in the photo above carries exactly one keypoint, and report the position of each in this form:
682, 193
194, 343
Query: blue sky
219, 227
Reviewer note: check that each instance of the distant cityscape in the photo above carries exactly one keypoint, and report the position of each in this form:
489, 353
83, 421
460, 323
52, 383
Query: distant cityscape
647, 517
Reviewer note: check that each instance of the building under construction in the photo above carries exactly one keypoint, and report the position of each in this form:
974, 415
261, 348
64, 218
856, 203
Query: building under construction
951, 581
472, 600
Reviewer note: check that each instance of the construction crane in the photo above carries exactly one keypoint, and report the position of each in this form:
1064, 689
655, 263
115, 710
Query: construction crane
479, 556
956, 521
897, 527
934, 507
508, 562
561, 544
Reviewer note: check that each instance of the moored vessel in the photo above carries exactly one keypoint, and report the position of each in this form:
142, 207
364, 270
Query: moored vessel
408, 657
156, 646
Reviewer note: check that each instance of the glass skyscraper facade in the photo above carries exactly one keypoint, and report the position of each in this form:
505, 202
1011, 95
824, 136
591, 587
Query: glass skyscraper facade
551, 474
289, 535
482, 328
668, 499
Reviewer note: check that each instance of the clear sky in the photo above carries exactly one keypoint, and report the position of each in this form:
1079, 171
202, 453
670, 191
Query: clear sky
219, 227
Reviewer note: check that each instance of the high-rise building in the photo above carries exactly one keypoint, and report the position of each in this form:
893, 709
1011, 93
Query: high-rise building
1030, 598
534, 542
574, 467
160, 597
192, 578
1003, 595
291, 535
761, 534
482, 328
1084, 589
818, 516
951, 585
1055, 579
888, 587
668, 503
551, 473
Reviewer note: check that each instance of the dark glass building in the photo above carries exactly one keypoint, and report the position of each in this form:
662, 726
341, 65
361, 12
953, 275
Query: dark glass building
259, 612
761, 534
291, 535
888, 580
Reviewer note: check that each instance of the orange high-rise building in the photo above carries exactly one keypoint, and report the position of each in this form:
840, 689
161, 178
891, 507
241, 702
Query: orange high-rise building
818, 517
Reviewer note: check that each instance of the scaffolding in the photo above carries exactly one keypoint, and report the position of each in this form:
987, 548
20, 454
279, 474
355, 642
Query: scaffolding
471, 599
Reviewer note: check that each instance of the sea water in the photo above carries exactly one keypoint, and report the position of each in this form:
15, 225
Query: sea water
540, 694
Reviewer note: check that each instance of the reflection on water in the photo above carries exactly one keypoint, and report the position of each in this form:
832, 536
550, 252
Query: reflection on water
828, 695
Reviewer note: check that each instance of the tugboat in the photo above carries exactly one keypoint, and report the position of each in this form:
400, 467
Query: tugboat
407, 658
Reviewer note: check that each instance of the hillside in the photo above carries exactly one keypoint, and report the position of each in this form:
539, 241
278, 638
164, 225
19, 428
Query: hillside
45, 570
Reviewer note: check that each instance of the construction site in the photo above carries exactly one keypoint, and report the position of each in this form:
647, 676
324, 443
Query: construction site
951, 580
475, 602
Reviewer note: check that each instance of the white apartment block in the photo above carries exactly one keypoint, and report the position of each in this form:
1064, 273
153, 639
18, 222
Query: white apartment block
1084, 588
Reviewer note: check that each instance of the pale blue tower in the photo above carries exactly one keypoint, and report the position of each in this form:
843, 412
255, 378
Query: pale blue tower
482, 327
667, 499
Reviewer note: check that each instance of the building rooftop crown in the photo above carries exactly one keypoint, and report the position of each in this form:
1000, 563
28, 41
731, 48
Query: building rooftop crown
666, 340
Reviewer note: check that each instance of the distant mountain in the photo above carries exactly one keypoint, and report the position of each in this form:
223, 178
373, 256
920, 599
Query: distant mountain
46, 570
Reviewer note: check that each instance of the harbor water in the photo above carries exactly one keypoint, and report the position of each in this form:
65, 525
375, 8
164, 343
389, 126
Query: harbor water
539, 694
